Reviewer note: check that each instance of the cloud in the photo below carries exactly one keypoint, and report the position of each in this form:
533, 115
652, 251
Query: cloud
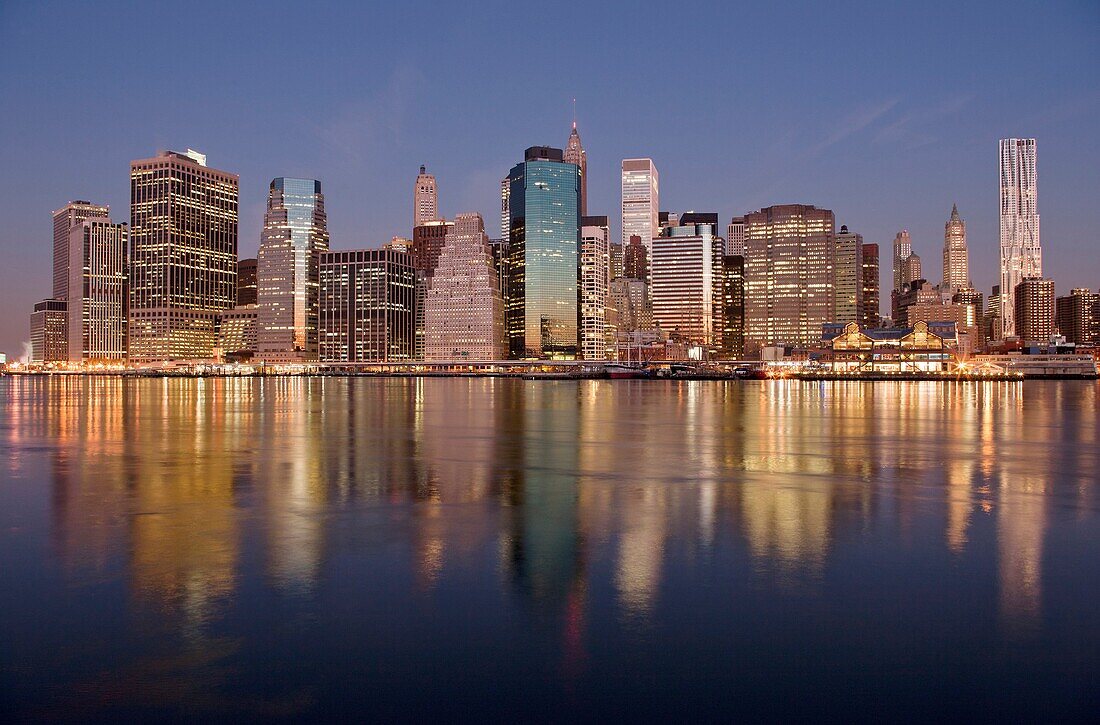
851, 124
913, 129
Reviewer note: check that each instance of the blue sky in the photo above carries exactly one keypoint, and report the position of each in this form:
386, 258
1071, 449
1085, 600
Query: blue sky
886, 113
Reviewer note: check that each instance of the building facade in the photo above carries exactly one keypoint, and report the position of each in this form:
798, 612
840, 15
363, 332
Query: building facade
635, 259
294, 236
733, 306
1033, 306
183, 255
1021, 252
594, 287
848, 276
870, 312
425, 199
1077, 316
923, 347
575, 154
464, 309
903, 248
98, 289
50, 331
427, 243
788, 274
71, 215
735, 237
544, 216
956, 256
367, 306
246, 281
633, 305
641, 202
237, 333
687, 283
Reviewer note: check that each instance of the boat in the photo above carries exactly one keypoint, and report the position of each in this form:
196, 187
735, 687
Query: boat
617, 371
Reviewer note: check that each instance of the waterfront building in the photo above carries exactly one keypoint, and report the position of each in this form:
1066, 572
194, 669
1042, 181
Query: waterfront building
183, 255
464, 309
788, 274
427, 243
640, 202
733, 306
903, 248
1033, 306
294, 235
367, 301
544, 216
98, 291
687, 283
237, 333
425, 199
956, 256
969, 334
50, 331
735, 237
635, 259
633, 305
1077, 316
870, 312
848, 276
921, 348
1021, 252
575, 154
71, 215
246, 281
594, 284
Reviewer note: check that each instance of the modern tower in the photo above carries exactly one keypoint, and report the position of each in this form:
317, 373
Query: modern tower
956, 257
594, 285
687, 283
575, 154
367, 306
294, 236
641, 202
464, 309
98, 291
183, 255
1021, 253
544, 219
733, 306
71, 215
848, 276
788, 274
425, 199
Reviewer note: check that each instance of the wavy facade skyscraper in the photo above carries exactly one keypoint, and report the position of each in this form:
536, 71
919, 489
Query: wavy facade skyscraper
1021, 253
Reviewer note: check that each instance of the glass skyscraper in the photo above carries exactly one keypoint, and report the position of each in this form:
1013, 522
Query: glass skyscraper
544, 216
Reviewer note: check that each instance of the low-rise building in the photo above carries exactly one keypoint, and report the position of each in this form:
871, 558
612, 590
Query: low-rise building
924, 347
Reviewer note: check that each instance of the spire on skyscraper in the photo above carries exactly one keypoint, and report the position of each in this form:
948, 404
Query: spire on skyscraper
955, 213
575, 154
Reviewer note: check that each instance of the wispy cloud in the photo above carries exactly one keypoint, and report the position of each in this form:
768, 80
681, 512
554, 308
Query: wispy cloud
916, 128
851, 124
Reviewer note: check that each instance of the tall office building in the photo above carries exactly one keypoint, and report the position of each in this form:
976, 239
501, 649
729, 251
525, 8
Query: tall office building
911, 270
71, 215
635, 259
735, 237
1033, 305
848, 276
50, 331
427, 243
425, 199
594, 283
505, 212
641, 202
544, 215
1077, 316
183, 255
464, 309
294, 236
237, 335
733, 306
870, 312
788, 274
991, 321
575, 154
687, 283
956, 257
633, 305
246, 281
1021, 253
98, 291
903, 249
367, 306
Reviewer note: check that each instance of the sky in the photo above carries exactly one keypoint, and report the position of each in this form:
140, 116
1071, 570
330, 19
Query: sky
886, 113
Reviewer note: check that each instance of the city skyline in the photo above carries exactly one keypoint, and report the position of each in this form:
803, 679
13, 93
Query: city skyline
892, 154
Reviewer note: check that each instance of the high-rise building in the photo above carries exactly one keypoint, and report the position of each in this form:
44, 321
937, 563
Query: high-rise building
733, 306
918, 292
848, 276
903, 249
991, 321
735, 237
1033, 305
246, 281
956, 257
427, 243
294, 236
615, 260
1077, 316
425, 199
575, 154
641, 202
687, 283
594, 283
464, 309
1021, 253
541, 296
911, 270
788, 274
98, 291
71, 215
633, 305
367, 306
183, 255
635, 259
237, 335
505, 213
50, 331
870, 312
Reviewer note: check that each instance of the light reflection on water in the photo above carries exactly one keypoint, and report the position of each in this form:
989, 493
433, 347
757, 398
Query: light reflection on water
259, 547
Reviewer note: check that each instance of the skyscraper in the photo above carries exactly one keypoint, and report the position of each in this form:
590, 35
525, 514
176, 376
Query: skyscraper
464, 309
635, 259
367, 306
1034, 309
1021, 253
733, 306
956, 257
594, 287
425, 199
294, 236
903, 248
870, 311
687, 283
246, 281
98, 291
735, 237
640, 202
183, 255
71, 215
788, 274
50, 331
541, 299
427, 243
575, 154
1077, 316
848, 276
